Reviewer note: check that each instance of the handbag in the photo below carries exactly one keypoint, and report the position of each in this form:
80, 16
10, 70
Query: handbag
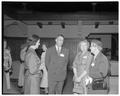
99, 84
102, 83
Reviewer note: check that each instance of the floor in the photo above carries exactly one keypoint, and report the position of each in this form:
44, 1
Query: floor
68, 86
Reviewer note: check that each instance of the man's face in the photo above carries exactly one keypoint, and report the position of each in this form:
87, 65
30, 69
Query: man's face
93, 48
59, 41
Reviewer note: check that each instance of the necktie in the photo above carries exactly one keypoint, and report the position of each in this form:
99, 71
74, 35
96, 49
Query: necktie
58, 49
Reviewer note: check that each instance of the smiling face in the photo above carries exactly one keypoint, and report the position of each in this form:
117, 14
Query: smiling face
59, 41
83, 46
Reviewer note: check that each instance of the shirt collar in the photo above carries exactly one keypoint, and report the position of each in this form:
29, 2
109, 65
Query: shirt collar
57, 47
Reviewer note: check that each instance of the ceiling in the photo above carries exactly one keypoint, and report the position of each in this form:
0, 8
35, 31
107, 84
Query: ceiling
60, 7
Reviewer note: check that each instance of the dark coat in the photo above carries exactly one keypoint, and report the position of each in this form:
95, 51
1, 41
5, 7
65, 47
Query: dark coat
56, 64
101, 66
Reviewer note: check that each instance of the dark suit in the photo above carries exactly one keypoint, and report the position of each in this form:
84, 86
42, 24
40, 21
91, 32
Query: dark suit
56, 65
101, 66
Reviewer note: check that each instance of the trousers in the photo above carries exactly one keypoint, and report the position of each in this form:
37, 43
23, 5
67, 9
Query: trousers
55, 87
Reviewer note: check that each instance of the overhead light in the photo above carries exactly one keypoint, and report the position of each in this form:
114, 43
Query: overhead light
97, 24
50, 23
40, 24
111, 22
63, 24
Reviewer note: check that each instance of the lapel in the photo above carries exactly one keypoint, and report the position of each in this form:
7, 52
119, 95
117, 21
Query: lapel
62, 50
97, 58
55, 50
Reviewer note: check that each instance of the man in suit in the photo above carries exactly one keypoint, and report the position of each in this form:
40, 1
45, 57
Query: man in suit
56, 61
99, 66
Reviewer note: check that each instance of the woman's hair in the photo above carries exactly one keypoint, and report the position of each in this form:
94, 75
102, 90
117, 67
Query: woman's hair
34, 39
79, 44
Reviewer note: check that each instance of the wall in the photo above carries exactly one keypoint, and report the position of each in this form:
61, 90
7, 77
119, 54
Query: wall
100, 29
14, 28
53, 30
106, 39
70, 31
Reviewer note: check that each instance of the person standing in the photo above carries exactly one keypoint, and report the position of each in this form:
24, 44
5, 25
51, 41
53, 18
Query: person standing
32, 71
81, 68
44, 81
7, 65
99, 66
21, 71
56, 61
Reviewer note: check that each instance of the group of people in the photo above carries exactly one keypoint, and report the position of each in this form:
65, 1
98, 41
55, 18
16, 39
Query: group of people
49, 70
88, 65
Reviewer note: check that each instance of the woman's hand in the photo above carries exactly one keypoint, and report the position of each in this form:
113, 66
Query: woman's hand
88, 80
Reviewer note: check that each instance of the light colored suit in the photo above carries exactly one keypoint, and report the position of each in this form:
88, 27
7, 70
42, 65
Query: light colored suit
56, 64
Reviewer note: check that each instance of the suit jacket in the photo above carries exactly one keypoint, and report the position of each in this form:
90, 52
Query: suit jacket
56, 64
100, 66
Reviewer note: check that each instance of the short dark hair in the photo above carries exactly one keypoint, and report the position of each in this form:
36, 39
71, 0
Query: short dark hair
60, 35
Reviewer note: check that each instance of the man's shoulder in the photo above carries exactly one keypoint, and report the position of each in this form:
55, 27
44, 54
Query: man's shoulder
50, 49
102, 56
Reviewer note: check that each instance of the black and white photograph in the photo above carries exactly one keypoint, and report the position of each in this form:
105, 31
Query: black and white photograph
60, 47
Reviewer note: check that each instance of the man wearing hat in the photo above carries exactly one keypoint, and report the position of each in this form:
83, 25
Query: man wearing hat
99, 66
